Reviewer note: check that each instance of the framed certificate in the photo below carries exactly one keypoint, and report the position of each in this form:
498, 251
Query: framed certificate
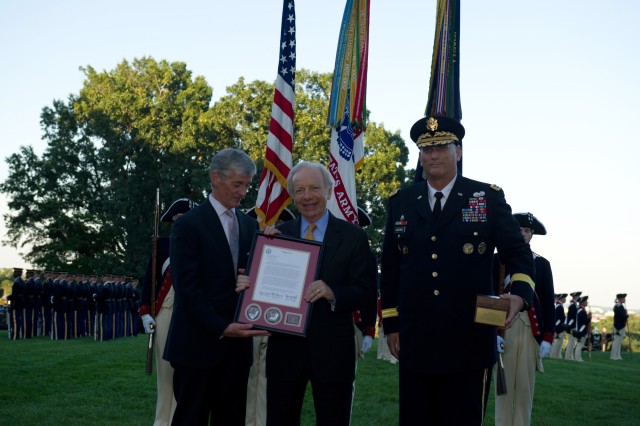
280, 268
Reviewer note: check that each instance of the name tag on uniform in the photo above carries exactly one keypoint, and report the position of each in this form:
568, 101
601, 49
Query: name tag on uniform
491, 310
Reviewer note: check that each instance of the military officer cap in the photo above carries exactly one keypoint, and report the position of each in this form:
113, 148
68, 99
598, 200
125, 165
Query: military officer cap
528, 220
285, 215
583, 299
436, 130
363, 217
621, 295
181, 205
576, 293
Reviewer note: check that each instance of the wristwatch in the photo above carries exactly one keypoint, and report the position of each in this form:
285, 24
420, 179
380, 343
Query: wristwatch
525, 304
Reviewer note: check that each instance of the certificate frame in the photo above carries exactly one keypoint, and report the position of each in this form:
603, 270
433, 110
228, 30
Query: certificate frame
280, 269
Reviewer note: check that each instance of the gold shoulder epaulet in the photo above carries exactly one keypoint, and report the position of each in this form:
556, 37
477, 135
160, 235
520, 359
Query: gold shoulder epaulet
495, 187
394, 193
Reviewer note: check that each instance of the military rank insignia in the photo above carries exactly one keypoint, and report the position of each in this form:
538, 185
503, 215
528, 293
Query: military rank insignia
477, 211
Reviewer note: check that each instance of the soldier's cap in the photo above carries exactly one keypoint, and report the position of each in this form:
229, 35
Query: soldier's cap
583, 299
436, 130
561, 295
621, 295
576, 293
528, 220
181, 205
363, 218
285, 215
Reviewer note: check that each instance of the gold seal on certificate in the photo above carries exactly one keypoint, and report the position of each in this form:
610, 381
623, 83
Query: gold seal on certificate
280, 269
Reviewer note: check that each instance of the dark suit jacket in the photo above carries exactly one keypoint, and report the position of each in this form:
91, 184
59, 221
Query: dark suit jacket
328, 350
432, 273
204, 283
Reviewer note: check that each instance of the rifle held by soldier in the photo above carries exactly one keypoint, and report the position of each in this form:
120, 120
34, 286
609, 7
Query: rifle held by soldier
154, 253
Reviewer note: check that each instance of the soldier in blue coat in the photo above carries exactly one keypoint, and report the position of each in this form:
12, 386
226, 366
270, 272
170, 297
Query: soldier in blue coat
620, 317
582, 330
558, 338
570, 324
437, 258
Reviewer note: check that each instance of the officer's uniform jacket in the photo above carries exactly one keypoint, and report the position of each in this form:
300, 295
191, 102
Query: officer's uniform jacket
432, 273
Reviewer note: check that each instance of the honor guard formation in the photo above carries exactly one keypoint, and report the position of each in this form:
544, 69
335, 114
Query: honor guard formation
65, 306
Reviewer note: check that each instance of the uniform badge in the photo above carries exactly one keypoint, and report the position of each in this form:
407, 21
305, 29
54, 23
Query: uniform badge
482, 247
477, 211
400, 226
478, 194
405, 250
467, 248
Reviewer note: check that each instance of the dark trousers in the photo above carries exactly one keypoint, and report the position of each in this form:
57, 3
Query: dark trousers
332, 402
216, 396
443, 399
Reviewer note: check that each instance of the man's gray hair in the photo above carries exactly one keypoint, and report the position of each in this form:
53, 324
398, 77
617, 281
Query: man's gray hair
327, 180
229, 159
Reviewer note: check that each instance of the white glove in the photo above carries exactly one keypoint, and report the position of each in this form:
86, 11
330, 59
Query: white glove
366, 344
147, 321
500, 344
545, 347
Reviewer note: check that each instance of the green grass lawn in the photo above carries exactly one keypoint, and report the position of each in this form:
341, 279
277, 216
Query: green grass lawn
83, 382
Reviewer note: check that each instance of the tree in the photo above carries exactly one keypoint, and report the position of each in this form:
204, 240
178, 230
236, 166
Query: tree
85, 205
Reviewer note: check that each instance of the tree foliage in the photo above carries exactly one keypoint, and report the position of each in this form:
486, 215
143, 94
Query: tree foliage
86, 204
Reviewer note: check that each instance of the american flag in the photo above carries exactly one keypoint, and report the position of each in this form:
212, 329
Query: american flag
272, 193
347, 109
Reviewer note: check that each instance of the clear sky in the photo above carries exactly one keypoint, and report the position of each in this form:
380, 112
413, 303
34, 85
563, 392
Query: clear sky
550, 97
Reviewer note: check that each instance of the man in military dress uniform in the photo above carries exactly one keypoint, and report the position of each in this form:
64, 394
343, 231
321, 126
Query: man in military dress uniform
437, 258
558, 338
570, 324
583, 327
620, 317
529, 338
16, 306
164, 294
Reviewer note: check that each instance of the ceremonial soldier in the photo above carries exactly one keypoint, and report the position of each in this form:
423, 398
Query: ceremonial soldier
164, 296
47, 305
365, 317
583, 327
38, 326
59, 309
572, 312
620, 317
436, 260
529, 338
558, 338
16, 306
29, 305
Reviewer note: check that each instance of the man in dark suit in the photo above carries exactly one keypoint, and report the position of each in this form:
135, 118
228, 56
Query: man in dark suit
437, 258
326, 355
211, 354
